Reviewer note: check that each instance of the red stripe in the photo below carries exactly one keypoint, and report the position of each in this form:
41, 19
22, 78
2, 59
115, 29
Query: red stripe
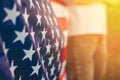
63, 75
64, 54
62, 2
63, 23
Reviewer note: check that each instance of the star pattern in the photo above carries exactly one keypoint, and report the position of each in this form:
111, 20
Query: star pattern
12, 68
43, 34
43, 61
51, 21
57, 45
38, 48
37, 4
10, 15
29, 40
58, 56
49, 10
48, 48
32, 33
26, 16
52, 31
36, 69
54, 78
57, 31
59, 66
52, 70
19, 2
20, 78
29, 53
43, 78
46, 19
21, 35
43, 7
55, 20
50, 60
5, 49
38, 19
31, 4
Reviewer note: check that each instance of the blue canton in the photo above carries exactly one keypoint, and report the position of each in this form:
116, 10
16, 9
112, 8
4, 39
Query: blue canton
30, 41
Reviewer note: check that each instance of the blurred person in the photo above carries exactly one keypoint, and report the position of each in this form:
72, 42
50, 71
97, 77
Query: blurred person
87, 43
31, 41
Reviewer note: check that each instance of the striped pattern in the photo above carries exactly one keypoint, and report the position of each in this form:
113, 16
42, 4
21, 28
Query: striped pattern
62, 14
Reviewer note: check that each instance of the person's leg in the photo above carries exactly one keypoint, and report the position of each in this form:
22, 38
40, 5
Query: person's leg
100, 59
80, 57
71, 75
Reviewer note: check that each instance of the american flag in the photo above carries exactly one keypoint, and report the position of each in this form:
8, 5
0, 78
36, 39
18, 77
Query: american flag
61, 11
31, 41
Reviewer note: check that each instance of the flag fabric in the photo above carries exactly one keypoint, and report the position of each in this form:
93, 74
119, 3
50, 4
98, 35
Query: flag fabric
31, 41
61, 12
5, 73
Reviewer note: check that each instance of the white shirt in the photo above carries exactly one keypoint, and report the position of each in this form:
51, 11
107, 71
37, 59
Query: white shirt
90, 19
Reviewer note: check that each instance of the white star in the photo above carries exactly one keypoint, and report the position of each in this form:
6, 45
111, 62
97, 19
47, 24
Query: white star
50, 60
38, 48
63, 67
29, 53
52, 70
32, 33
49, 9
26, 16
43, 78
11, 14
19, 2
20, 78
57, 44
21, 35
48, 48
43, 34
12, 68
46, 19
37, 4
55, 78
59, 66
58, 56
55, 20
36, 69
52, 34
43, 61
38, 18
51, 21
43, 7
5, 49
31, 4
57, 31
47, 75
62, 43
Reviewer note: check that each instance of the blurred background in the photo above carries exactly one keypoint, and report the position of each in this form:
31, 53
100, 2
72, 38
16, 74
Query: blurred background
113, 67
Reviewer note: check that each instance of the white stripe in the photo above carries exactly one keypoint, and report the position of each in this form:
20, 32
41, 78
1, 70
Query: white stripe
65, 77
65, 37
63, 67
60, 11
